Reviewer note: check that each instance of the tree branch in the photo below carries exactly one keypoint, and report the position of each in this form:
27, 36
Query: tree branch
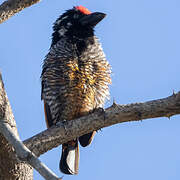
24, 153
10, 167
69, 130
10, 7
14, 155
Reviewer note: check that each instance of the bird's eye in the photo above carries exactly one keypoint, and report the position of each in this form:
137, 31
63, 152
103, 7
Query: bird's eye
75, 16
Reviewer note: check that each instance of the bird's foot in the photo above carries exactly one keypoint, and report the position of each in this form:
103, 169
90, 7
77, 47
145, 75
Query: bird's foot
99, 110
62, 123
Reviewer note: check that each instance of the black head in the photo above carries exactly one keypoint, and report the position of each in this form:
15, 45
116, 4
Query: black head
76, 23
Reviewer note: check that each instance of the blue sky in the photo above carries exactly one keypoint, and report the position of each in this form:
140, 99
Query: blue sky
141, 40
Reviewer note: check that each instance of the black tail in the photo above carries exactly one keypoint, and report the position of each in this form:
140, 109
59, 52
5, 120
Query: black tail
86, 139
69, 163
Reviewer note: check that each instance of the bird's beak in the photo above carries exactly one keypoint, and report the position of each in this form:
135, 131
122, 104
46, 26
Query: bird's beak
92, 19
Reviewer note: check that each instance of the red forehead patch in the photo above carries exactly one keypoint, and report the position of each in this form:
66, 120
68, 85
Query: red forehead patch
83, 9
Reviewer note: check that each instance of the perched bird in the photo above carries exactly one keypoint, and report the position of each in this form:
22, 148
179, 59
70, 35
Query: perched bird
75, 77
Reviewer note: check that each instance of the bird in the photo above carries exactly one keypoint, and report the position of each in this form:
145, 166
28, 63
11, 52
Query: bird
75, 77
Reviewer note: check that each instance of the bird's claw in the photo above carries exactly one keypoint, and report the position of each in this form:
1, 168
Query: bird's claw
62, 123
101, 111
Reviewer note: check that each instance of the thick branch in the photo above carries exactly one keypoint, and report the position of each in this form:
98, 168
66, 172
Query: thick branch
12, 147
24, 153
69, 130
11, 7
10, 166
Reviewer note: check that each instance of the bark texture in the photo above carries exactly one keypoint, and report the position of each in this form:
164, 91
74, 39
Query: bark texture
69, 130
10, 7
11, 167
24, 153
